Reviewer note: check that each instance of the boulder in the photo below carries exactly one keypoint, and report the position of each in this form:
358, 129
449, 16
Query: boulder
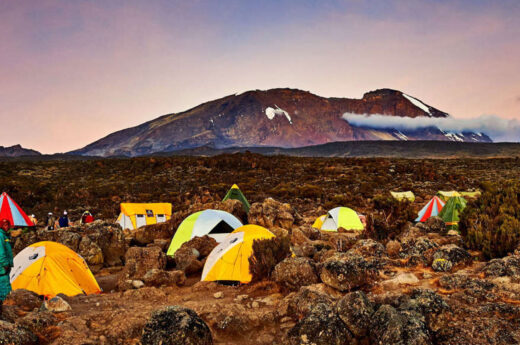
393, 248
435, 224
346, 271
37, 321
189, 256
56, 305
442, 265
356, 312
298, 304
453, 253
24, 299
321, 326
149, 233
158, 277
508, 266
176, 325
139, 261
271, 213
369, 247
403, 278
16, 335
295, 272
92, 253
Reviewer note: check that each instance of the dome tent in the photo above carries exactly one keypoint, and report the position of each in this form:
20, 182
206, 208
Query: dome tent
50, 268
10, 210
215, 223
431, 209
229, 261
451, 211
319, 221
342, 217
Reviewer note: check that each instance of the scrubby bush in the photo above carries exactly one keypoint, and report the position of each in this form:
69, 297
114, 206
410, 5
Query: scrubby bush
266, 255
389, 218
491, 223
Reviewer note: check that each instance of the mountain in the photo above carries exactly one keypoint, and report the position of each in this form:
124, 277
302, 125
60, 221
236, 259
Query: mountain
278, 118
17, 151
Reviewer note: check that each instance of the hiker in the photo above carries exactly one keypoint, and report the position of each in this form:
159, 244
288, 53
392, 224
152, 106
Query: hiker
64, 220
33, 219
6, 260
87, 217
50, 222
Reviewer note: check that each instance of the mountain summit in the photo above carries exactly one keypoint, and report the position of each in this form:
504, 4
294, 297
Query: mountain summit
276, 117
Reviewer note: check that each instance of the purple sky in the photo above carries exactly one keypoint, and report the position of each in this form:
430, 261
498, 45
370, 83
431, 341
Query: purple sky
74, 71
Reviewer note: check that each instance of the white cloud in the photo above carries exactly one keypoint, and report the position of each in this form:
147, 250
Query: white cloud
497, 128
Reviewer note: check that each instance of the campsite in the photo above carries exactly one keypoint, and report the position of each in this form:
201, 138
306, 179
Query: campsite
252, 249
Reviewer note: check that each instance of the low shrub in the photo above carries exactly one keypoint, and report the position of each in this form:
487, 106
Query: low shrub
491, 223
266, 255
389, 218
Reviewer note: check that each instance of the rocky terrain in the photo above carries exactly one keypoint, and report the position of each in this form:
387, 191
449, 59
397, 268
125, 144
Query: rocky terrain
274, 118
395, 283
17, 151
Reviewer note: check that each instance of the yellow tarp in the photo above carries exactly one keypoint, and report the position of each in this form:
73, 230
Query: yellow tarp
408, 195
445, 195
52, 270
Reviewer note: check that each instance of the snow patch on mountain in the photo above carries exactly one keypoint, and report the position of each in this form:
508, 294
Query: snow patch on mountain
271, 113
418, 104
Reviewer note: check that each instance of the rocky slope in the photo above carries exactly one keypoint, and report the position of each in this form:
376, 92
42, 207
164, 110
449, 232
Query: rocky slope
276, 117
17, 151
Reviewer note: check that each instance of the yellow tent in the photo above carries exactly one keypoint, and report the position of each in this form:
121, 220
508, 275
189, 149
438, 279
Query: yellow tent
471, 195
134, 216
342, 217
319, 221
229, 261
400, 196
50, 268
445, 195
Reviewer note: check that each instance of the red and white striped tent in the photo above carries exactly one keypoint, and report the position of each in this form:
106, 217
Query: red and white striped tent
432, 209
12, 212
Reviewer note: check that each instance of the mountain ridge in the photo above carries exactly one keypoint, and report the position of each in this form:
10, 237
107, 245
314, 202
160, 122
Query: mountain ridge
17, 151
281, 117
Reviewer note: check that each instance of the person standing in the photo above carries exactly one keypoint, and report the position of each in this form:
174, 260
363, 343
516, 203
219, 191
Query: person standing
50, 222
6, 259
64, 220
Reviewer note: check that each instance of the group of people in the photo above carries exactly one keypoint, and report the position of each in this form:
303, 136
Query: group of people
63, 221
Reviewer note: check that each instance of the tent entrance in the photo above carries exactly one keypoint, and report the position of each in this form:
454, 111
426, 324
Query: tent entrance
221, 228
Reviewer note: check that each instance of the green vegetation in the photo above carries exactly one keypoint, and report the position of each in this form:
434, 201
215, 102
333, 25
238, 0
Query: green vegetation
491, 223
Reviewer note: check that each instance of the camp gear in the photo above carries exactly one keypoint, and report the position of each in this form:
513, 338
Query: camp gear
319, 221
445, 195
6, 262
229, 261
451, 211
215, 223
134, 216
236, 194
10, 210
50, 268
400, 196
342, 217
431, 209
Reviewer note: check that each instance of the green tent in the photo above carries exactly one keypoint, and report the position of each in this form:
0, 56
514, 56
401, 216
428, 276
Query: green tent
450, 212
236, 194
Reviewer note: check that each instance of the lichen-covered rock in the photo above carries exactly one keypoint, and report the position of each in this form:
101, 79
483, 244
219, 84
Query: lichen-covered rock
271, 213
346, 271
476, 287
452, 253
508, 266
295, 272
393, 248
24, 299
369, 247
435, 224
92, 253
321, 326
174, 326
149, 233
442, 265
140, 260
56, 305
16, 335
189, 256
356, 312
298, 304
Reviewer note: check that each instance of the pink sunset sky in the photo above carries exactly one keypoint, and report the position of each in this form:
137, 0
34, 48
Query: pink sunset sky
75, 71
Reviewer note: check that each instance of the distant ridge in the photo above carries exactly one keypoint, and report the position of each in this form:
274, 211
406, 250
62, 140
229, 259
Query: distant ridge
17, 151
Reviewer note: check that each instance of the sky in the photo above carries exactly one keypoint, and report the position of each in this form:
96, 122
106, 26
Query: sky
73, 71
